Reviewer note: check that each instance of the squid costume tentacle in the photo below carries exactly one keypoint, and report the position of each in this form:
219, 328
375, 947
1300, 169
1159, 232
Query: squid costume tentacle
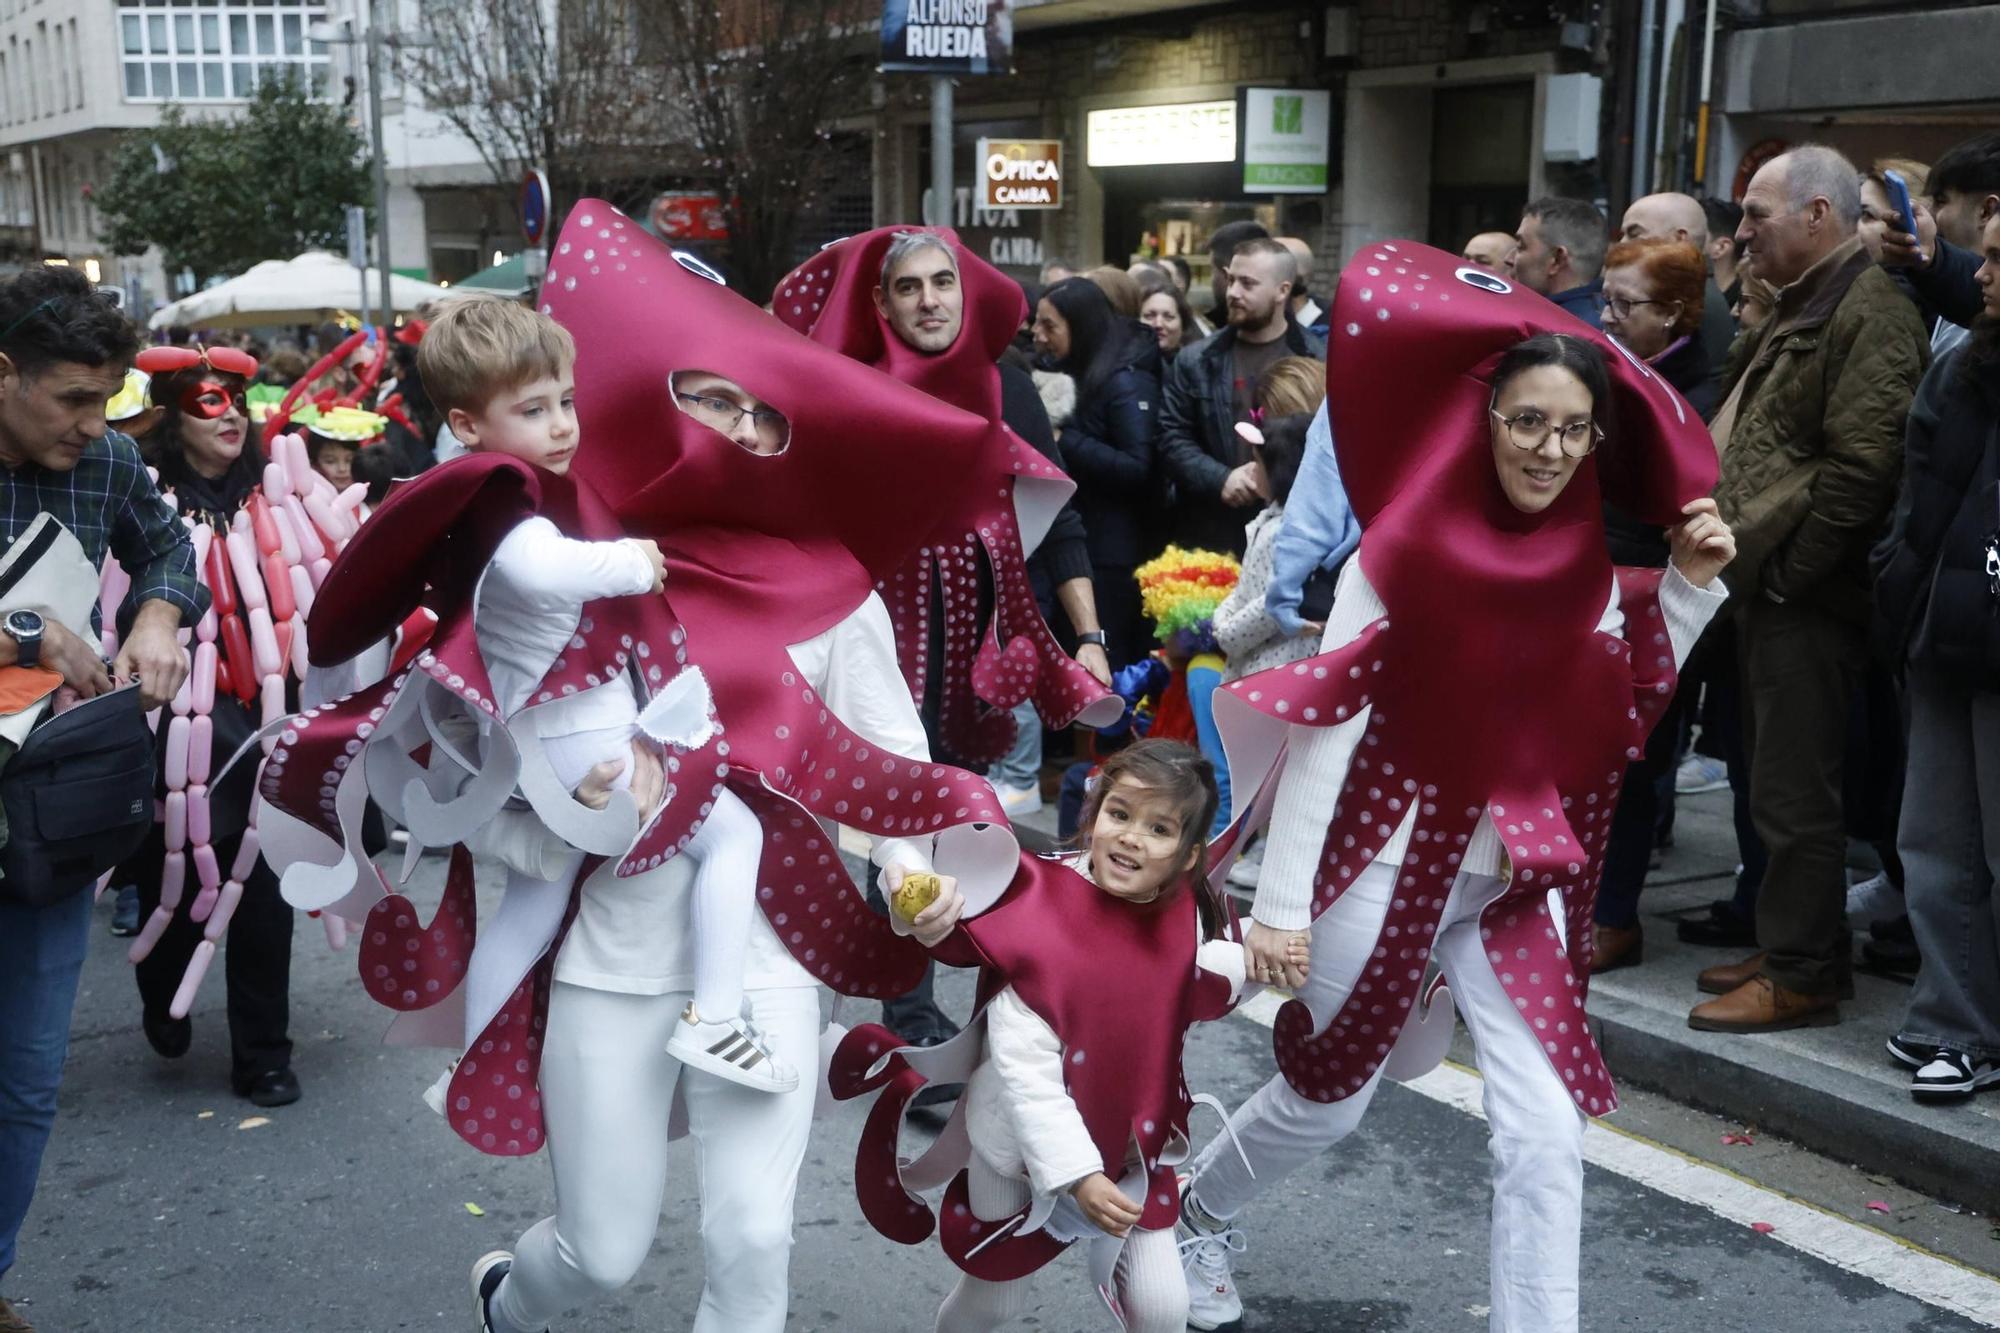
262, 572
762, 553
994, 655
1091, 967
1485, 691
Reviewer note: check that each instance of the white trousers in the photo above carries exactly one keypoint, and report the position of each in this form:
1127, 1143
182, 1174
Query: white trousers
607, 1087
1151, 1286
1537, 1132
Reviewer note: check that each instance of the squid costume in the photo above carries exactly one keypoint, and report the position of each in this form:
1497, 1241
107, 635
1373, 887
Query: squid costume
1118, 985
995, 652
762, 551
1444, 778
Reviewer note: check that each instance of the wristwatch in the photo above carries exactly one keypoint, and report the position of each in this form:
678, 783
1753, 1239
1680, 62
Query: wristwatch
25, 629
1095, 636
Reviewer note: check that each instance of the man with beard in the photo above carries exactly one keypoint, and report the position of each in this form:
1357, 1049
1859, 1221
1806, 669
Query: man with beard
1213, 386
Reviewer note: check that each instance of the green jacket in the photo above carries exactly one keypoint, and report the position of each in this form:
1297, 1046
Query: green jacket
1816, 450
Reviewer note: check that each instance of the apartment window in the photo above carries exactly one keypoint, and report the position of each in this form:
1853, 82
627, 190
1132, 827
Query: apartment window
216, 52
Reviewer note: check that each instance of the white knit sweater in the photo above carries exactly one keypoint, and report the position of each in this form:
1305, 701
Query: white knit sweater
1320, 756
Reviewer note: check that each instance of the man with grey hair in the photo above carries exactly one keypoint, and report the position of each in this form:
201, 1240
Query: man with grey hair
1811, 438
1680, 217
1559, 252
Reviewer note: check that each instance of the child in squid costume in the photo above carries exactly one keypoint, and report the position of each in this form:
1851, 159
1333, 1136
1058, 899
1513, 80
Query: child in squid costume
1444, 772
772, 555
968, 629
1076, 1110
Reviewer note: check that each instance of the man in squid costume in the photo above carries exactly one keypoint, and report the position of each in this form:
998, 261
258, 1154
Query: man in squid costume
773, 556
1444, 773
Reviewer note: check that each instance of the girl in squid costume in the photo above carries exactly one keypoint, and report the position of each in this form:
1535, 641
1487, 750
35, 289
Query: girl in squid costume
1444, 772
772, 562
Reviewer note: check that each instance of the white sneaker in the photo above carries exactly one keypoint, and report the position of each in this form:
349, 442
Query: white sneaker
733, 1050
1212, 1298
434, 1095
1699, 773
488, 1272
1017, 801
1873, 899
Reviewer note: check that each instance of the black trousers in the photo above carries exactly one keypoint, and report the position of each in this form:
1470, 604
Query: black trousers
1628, 854
257, 962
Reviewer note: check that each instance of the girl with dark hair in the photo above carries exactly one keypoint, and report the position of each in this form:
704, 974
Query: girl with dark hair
209, 463
1108, 446
1251, 640
1437, 776
1075, 1082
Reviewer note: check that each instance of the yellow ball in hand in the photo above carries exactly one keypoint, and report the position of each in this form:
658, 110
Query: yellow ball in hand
918, 891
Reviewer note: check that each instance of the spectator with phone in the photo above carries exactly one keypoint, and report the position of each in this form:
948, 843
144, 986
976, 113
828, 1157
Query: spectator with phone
64, 351
1940, 257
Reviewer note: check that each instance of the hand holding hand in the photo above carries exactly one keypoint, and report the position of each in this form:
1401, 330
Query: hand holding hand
648, 785
1703, 544
651, 550
1244, 486
1105, 1204
1092, 658
1277, 957
150, 654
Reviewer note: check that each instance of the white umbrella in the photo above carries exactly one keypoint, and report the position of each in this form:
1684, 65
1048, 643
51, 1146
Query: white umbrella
306, 290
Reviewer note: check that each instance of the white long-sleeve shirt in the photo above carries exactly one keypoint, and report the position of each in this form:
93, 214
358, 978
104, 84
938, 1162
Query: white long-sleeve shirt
1320, 756
632, 935
530, 602
1019, 1113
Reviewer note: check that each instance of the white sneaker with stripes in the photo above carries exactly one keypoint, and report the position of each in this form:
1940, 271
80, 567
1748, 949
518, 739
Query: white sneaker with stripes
734, 1050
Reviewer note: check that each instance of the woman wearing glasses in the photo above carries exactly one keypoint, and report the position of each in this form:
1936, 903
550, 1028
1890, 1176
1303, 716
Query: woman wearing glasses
209, 463
1653, 304
1438, 775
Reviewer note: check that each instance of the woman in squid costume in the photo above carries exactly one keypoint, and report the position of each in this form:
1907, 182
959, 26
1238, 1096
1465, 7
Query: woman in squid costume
961, 603
772, 563
1444, 772
264, 534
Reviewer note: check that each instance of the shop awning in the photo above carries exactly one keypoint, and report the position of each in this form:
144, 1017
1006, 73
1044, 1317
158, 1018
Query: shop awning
508, 279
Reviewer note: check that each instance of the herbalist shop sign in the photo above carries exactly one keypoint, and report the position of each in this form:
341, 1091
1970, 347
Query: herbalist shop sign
948, 36
1285, 134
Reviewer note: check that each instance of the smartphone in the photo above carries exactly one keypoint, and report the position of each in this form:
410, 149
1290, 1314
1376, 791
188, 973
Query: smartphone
1899, 196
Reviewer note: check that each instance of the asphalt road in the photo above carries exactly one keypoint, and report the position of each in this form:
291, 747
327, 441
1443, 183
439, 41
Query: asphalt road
161, 1211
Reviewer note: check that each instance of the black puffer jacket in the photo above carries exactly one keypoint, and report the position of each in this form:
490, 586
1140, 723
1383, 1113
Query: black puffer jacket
1110, 449
1934, 603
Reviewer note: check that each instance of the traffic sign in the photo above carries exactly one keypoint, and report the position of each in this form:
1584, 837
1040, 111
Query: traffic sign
534, 206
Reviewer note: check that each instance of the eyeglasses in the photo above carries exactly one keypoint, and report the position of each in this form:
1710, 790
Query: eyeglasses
1623, 308
723, 415
1530, 430
227, 360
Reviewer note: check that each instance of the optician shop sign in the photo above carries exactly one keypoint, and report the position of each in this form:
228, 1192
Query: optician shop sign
1285, 132
1020, 173
1145, 136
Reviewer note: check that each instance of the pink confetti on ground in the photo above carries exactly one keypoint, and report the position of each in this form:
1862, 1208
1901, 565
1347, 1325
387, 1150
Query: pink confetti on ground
1877, 1206
1732, 1140
1762, 1228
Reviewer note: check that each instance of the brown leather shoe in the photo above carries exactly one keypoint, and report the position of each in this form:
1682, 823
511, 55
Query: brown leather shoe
1762, 1005
1726, 977
1616, 947
12, 1320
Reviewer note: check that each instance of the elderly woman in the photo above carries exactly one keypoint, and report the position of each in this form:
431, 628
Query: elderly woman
1653, 305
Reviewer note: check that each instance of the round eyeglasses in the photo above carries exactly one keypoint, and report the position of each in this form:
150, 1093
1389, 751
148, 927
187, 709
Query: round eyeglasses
1530, 430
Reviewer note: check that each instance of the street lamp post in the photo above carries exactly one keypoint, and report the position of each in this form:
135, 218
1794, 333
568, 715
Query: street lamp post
328, 34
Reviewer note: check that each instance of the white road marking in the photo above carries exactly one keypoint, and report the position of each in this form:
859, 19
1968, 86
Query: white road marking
1807, 1228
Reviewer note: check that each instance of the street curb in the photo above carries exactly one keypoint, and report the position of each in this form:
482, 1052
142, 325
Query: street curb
1940, 1151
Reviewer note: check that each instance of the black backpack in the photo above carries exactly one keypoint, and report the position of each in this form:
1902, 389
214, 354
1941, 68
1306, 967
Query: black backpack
79, 799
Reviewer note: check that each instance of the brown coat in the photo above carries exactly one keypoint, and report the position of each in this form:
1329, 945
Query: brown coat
1816, 447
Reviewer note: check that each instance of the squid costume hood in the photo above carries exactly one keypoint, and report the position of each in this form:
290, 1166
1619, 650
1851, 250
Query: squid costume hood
1487, 687
762, 552
993, 655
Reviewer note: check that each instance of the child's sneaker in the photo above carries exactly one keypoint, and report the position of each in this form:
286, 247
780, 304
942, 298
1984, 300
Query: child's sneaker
1205, 1249
733, 1050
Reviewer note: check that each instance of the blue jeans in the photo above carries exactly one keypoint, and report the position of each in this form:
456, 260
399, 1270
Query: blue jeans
1022, 765
1202, 683
41, 958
